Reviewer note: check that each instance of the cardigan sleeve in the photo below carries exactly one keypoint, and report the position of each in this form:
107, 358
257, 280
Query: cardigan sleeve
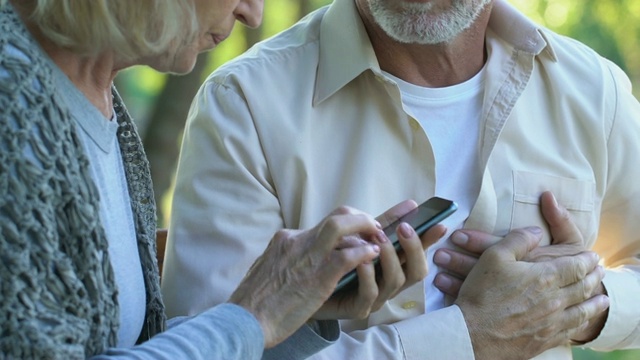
226, 331
305, 342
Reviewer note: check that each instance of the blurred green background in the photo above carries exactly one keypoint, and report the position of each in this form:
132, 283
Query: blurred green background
159, 103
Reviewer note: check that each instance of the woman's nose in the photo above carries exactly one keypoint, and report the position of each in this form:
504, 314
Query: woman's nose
249, 12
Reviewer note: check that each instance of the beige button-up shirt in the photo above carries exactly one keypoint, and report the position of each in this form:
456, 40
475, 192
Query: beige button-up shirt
306, 121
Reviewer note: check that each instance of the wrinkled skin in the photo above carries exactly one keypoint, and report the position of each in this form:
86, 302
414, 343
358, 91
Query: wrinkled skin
534, 298
292, 281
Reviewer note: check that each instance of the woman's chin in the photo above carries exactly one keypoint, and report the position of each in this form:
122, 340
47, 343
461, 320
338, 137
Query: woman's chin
180, 63
183, 64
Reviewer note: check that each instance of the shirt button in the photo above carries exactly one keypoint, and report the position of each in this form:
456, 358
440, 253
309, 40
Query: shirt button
409, 305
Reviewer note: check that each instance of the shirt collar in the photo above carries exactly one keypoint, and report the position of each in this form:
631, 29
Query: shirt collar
342, 32
518, 30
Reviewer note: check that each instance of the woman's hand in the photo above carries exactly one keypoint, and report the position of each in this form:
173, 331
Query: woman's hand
397, 270
299, 270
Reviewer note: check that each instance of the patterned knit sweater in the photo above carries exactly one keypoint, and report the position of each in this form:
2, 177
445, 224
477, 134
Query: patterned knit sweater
57, 287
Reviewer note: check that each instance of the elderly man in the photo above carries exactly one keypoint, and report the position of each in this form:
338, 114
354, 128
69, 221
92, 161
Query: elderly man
368, 102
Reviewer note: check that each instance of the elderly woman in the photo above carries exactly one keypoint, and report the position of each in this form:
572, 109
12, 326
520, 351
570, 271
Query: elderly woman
78, 275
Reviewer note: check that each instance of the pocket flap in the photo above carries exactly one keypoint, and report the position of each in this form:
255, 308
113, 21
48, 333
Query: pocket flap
573, 194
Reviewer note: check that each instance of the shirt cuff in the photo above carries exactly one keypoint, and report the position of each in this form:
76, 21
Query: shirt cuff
623, 289
442, 334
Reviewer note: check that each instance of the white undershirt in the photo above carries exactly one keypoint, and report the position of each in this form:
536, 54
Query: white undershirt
451, 118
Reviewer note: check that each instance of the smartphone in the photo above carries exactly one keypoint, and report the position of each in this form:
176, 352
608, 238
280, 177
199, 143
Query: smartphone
426, 215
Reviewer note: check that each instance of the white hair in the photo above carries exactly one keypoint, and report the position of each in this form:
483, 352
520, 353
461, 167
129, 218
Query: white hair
130, 28
416, 23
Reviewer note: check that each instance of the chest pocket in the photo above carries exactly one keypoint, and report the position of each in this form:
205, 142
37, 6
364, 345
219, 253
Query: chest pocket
577, 196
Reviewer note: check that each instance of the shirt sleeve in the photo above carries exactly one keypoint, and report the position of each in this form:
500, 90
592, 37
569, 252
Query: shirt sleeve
226, 332
619, 238
442, 334
224, 209
229, 195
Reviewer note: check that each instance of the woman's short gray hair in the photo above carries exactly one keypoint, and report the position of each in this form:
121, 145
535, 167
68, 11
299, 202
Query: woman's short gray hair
130, 28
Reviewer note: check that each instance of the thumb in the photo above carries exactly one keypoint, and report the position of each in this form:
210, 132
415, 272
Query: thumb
396, 212
563, 229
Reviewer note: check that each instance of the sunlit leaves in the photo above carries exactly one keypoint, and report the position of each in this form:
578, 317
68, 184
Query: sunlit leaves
611, 27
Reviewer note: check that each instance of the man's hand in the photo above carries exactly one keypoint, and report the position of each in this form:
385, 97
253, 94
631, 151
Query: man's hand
299, 270
518, 309
565, 238
566, 241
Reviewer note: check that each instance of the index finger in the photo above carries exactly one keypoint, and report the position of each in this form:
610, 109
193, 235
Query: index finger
473, 241
335, 227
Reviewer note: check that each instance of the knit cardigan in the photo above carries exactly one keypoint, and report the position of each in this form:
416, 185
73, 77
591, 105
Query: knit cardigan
57, 287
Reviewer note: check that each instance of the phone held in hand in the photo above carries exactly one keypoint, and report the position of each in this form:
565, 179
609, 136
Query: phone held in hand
426, 215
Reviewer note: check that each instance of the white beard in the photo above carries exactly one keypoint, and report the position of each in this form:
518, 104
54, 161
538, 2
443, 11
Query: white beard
415, 23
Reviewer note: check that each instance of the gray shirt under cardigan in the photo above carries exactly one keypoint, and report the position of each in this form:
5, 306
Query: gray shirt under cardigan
59, 297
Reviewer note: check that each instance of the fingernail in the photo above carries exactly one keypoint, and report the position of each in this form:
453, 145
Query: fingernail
406, 230
376, 248
441, 258
555, 201
534, 230
442, 282
381, 237
378, 225
459, 238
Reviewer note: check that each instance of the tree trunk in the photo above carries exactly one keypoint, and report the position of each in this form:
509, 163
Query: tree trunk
166, 124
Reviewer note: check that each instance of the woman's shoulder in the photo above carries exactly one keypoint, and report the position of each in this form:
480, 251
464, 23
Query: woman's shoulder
24, 70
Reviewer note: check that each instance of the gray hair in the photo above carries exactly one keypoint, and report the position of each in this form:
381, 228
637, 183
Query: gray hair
130, 28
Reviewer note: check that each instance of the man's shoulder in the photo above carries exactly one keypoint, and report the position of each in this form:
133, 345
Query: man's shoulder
570, 52
565, 46
293, 49
577, 61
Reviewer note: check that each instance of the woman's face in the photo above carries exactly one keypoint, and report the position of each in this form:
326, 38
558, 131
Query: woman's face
216, 19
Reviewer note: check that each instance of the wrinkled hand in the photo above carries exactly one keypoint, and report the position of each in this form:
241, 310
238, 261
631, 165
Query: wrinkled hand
398, 270
518, 309
298, 271
566, 241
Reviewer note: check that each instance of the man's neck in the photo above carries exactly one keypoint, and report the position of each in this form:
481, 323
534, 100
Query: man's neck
437, 65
